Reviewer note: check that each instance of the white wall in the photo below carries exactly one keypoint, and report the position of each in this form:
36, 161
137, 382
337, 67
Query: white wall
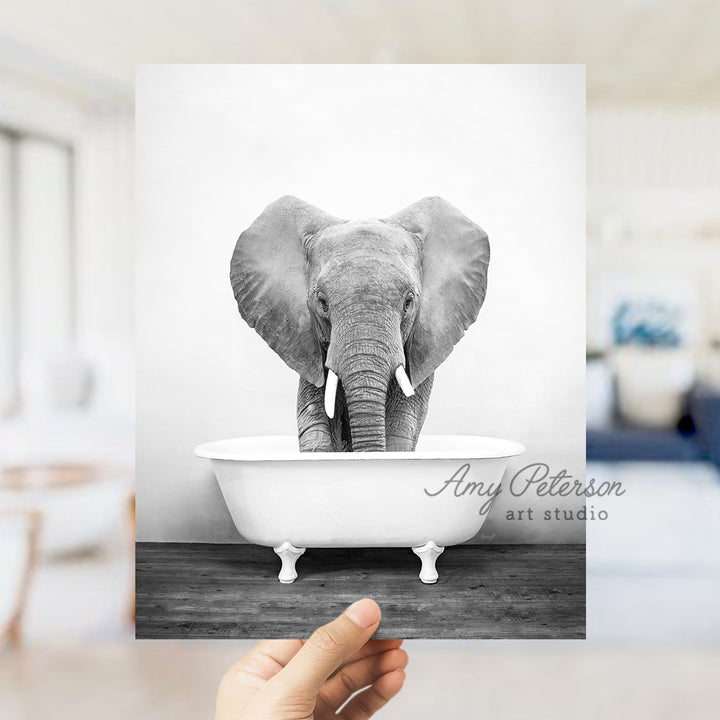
216, 144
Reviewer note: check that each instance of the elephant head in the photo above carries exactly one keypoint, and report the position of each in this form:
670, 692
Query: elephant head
370, 302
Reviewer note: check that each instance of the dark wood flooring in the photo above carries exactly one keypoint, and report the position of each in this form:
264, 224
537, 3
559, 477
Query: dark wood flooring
187, 590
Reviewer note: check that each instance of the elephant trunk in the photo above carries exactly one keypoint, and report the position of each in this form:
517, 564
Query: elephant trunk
365, 352
365, 393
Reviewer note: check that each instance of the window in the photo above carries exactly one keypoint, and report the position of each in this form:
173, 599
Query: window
37, 264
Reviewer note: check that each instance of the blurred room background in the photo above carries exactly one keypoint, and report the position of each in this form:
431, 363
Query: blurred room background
66, 329
653, 367
66, 349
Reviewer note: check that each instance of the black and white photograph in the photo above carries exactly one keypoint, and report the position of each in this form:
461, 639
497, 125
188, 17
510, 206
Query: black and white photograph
359, 360
360, 365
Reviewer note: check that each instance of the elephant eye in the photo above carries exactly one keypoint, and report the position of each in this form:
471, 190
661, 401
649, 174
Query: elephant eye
408, 302
322, 302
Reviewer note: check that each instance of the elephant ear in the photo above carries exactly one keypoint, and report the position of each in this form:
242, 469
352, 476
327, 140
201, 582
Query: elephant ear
268, 277
455, 256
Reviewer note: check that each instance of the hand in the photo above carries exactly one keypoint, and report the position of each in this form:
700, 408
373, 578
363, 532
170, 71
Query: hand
313, 679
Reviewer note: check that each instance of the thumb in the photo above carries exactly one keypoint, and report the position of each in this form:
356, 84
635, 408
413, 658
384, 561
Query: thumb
328, 648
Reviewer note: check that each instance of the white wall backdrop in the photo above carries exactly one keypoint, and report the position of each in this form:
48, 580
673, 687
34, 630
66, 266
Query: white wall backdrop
216, 144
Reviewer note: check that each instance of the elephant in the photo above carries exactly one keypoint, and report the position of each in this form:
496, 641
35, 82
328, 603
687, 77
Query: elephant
364, 311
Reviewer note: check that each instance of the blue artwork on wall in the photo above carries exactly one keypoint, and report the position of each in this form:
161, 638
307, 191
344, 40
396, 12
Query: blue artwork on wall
649, 323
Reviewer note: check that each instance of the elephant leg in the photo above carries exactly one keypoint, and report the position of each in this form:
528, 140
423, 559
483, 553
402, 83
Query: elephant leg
405, 415
314, 434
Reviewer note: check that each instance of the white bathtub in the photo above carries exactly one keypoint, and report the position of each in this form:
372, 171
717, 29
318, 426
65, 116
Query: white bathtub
290, 501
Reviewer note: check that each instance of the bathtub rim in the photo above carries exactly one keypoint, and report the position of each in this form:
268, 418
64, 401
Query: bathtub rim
217, 450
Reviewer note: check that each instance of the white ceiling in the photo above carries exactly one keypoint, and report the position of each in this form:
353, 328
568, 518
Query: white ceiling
635, 50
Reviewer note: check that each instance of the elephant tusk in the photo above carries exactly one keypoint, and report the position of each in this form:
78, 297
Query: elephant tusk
330, 389
404, 381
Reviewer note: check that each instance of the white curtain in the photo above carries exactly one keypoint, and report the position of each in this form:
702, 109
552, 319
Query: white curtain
105, 257
45, 264
8, 340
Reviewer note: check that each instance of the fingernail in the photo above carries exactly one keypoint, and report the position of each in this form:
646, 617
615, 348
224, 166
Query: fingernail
364, 613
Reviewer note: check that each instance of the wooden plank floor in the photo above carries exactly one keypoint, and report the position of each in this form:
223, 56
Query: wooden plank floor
189, 590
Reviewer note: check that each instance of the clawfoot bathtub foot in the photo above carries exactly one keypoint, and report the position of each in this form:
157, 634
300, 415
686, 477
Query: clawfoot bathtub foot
428, 554
289, 554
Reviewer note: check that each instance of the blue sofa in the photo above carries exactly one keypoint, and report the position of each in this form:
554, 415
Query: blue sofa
696, 438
